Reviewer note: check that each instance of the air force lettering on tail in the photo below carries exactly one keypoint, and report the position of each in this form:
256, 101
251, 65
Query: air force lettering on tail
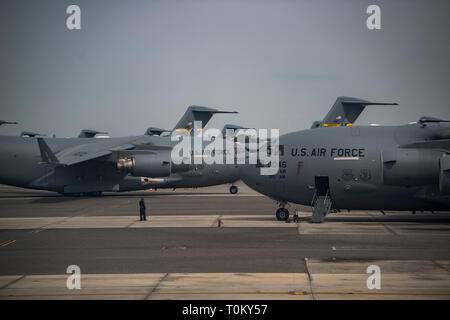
335, 165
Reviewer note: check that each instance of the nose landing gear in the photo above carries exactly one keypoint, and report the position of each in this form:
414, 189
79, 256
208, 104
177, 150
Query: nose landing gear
282, 214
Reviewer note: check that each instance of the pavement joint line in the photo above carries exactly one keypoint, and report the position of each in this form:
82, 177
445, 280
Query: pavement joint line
7, 243
37, 230
47, 226
152, 291
440, 265
129, 225
389, 229
13, 281
309, 278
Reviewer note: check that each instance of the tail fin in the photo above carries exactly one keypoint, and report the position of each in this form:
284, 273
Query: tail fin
196, 113
345, 111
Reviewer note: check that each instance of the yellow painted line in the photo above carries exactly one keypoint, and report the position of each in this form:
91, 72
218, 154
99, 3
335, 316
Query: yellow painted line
38, 230
7, 243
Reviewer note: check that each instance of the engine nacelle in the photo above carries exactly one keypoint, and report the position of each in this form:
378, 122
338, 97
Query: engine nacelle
146, 165
444, 175
410, 167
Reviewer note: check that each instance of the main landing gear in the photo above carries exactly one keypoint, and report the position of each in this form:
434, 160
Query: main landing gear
233, 189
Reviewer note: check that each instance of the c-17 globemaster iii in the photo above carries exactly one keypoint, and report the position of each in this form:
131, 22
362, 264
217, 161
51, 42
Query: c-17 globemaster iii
335, 165
87, 166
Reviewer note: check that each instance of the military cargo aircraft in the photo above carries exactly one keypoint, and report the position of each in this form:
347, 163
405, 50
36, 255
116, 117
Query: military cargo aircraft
87, 166
336, 165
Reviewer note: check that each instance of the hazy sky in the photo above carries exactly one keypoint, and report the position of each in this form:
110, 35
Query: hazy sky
281, 64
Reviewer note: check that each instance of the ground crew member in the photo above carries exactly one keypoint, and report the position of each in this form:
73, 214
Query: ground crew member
296, 218
142, 210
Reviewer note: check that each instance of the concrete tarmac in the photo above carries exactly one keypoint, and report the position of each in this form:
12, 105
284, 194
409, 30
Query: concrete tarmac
182, 253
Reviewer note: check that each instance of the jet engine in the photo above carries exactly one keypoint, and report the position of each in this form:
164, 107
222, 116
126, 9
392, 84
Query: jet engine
410, 167
146, 165
444, 175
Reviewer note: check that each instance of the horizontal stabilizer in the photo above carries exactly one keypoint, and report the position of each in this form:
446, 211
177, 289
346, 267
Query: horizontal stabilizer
155, 131
88, 133
7, 122
345, 112
30, 134
196, 113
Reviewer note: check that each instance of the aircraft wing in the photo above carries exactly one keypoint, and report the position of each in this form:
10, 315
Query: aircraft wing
345, 111
79, 153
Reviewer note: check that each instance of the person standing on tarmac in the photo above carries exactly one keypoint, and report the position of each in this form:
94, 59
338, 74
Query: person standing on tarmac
142, 210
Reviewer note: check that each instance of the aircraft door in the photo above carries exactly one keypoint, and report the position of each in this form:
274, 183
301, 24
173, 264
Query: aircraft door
322, 201
322, 184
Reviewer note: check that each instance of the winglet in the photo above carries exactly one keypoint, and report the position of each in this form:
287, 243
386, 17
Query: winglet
47, 154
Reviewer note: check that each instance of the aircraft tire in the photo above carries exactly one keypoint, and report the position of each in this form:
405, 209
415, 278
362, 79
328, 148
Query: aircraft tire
282, 214
233, 189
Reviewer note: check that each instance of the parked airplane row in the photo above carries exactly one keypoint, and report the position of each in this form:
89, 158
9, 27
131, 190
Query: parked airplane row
332, 166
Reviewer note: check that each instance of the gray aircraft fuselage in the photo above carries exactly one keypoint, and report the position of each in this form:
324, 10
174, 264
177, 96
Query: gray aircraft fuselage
22, 166
365, 166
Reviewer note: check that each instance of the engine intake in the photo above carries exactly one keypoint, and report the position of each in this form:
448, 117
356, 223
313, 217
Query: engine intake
146, 165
